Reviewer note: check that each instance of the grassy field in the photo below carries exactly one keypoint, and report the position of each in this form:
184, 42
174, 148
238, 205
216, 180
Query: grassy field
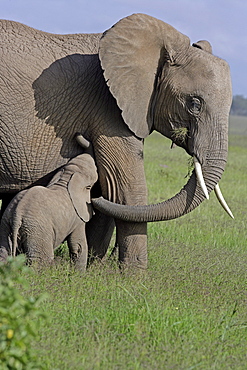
187, 311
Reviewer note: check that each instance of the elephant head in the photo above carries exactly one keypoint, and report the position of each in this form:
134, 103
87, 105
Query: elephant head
161, 82
84, 175
78, 176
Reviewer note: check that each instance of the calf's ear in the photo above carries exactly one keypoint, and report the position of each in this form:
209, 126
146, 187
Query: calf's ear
80, 196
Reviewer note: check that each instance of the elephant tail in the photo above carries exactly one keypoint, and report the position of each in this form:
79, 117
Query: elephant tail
17, 222
11, 223
9, 232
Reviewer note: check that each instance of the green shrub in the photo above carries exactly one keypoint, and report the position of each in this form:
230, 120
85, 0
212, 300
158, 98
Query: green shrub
19, 318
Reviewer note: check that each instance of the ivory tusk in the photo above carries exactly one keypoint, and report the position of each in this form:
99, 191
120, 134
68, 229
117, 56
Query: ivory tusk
199, 176
82, 141
222, 200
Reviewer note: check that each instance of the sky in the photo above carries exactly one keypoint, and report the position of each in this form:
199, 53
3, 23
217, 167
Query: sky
222, 22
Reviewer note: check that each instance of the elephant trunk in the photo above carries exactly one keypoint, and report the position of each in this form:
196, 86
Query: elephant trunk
190, 196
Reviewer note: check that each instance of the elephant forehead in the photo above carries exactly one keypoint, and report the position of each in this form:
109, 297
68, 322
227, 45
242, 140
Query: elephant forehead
201, 76
88, 173
88, 167
83, 161
83, 168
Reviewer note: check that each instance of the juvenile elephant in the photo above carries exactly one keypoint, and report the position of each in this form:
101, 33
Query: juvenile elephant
140, 75
39, 219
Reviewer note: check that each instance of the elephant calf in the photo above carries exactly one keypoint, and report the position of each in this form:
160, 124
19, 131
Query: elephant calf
39, 219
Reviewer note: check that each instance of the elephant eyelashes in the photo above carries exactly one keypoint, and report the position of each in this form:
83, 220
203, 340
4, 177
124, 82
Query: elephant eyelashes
195, 105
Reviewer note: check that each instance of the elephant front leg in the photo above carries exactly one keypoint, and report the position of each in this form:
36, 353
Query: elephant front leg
78, 248
99, 231
122, 180
131, 239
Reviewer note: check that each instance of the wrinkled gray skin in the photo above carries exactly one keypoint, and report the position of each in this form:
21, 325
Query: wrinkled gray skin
39, 219
142, 75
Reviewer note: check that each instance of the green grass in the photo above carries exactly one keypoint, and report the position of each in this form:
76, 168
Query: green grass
238, 125
187, 311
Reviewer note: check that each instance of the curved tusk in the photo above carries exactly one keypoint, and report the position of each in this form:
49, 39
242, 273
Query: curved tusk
199, 176
82, 141
222, 200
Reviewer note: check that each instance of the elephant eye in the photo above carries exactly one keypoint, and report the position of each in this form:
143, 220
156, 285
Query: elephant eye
195, 105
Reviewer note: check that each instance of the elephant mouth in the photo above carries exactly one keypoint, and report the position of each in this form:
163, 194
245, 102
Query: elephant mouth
218, 193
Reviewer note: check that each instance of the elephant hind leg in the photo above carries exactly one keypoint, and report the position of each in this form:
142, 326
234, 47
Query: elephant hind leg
3, 254
5, 244
6, 199
38, 252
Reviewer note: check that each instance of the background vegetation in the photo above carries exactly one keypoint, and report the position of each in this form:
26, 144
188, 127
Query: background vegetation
18, 318
187, 311
239, 105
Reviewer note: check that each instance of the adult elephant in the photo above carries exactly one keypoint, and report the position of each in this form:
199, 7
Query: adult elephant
141, 75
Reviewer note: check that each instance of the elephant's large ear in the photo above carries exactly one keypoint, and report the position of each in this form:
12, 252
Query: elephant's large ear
80, 196
130, 53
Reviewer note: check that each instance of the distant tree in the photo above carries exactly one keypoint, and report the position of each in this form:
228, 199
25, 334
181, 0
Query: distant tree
239, 105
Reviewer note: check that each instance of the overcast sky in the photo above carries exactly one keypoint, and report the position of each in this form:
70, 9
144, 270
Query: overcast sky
222, 22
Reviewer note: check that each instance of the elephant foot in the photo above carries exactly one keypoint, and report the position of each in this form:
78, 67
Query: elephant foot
133, 265
132, 243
